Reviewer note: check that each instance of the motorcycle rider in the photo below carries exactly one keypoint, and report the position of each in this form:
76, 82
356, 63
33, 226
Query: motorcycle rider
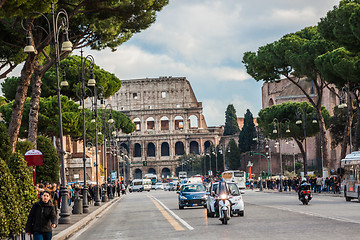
221, 189
304, 185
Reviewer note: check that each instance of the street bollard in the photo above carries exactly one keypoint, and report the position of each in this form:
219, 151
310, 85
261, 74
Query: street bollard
78, 206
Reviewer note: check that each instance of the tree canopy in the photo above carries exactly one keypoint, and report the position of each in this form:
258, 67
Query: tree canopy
247, 133
231, 125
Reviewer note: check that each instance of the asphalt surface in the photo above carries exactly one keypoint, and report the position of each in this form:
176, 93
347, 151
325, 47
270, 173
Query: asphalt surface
268, 215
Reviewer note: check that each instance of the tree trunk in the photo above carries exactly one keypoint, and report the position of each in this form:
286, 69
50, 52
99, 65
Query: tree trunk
34, 104
355, 141
301, 147
345, 139
18, 106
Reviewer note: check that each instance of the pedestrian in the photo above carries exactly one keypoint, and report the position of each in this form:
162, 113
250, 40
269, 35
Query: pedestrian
42, 218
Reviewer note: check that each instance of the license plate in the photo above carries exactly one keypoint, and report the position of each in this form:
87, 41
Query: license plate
306, 196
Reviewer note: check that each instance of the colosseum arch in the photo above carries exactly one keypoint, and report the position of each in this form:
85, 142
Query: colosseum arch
138, 174
179, 122
179, 148
150, 123
137, 150
137, 123
207, 145
194, 147
164, 123
165, 173
152, 170
165, 149
193, 122
151, 149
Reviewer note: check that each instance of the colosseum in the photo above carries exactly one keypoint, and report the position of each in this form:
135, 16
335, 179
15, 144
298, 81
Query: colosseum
169, 123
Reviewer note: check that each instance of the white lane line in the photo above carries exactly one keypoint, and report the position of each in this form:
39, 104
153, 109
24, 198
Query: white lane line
312, 214
173, 214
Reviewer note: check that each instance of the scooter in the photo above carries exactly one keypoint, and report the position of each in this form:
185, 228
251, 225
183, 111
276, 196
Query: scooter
224, 208
305, 194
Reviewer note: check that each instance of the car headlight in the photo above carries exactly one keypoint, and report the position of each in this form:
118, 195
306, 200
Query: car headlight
223, 196
182, 197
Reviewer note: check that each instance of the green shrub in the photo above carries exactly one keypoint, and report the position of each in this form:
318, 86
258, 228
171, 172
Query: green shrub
9, 198
23, 146
49, 171
23, 179
5, 148
4, 223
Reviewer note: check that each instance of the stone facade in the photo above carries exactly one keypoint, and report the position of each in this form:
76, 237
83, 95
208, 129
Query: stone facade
169, 123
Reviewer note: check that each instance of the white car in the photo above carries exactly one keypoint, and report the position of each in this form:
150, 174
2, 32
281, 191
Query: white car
159, 186
235, 198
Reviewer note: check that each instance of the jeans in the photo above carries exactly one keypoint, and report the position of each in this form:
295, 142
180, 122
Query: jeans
42, 235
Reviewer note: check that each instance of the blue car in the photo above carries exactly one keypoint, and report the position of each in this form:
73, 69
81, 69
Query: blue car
192, 194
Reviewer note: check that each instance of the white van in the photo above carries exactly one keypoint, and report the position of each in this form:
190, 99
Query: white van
139, 185
146, 184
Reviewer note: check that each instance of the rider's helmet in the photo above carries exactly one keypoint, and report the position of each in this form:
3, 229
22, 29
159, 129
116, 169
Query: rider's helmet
303, 180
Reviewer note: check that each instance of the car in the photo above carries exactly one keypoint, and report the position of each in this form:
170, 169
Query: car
235, 198
210, 199
192, 194
159, 186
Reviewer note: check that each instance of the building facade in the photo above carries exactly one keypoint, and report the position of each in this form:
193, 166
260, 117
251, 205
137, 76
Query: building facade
284, 91
169, 123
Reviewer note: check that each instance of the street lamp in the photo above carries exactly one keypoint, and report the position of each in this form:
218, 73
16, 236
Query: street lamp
277, 131
109, 121
94, 120
82, 96
60, 23
301, 115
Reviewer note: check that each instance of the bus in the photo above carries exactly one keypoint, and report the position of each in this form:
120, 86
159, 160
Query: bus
152, 177
182, 175
236, 176
351, 178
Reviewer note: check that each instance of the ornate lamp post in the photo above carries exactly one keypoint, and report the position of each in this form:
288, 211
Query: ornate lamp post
94, 120
60, 22
301, 115
277, 131
82, 96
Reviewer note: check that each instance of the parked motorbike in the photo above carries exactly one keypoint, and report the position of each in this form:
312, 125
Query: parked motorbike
224, 208
305, 193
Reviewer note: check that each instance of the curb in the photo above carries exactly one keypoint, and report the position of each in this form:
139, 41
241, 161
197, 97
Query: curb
68, 232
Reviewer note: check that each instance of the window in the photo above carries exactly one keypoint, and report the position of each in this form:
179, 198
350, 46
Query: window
135, 96
163, 94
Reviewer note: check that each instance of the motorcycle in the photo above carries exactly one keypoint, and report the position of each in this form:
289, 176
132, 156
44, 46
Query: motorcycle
224, 208
305, 194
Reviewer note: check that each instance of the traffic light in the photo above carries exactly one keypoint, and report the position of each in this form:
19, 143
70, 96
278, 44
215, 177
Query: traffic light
251, 153
144, 163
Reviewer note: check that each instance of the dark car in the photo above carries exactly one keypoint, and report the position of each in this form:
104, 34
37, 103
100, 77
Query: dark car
192, 194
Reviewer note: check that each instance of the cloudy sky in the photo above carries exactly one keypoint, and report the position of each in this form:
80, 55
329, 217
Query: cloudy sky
204, 41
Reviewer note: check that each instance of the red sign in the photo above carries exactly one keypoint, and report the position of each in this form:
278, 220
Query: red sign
34, 157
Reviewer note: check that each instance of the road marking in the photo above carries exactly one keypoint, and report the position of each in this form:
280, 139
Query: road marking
171, 212
310, 213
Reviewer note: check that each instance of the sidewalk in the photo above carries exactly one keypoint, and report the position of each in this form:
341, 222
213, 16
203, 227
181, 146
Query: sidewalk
78, 221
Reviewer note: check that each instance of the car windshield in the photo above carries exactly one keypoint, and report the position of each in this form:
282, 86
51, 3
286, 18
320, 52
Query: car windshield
214, 187
233, 187
193, 188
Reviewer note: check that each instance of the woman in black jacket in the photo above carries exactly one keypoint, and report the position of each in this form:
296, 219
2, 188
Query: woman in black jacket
42, 218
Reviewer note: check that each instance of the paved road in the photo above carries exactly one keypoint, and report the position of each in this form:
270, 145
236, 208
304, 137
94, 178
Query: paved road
155, 215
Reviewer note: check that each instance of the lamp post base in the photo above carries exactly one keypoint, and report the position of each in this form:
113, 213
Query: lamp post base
64, 211
97, 198
85, 200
